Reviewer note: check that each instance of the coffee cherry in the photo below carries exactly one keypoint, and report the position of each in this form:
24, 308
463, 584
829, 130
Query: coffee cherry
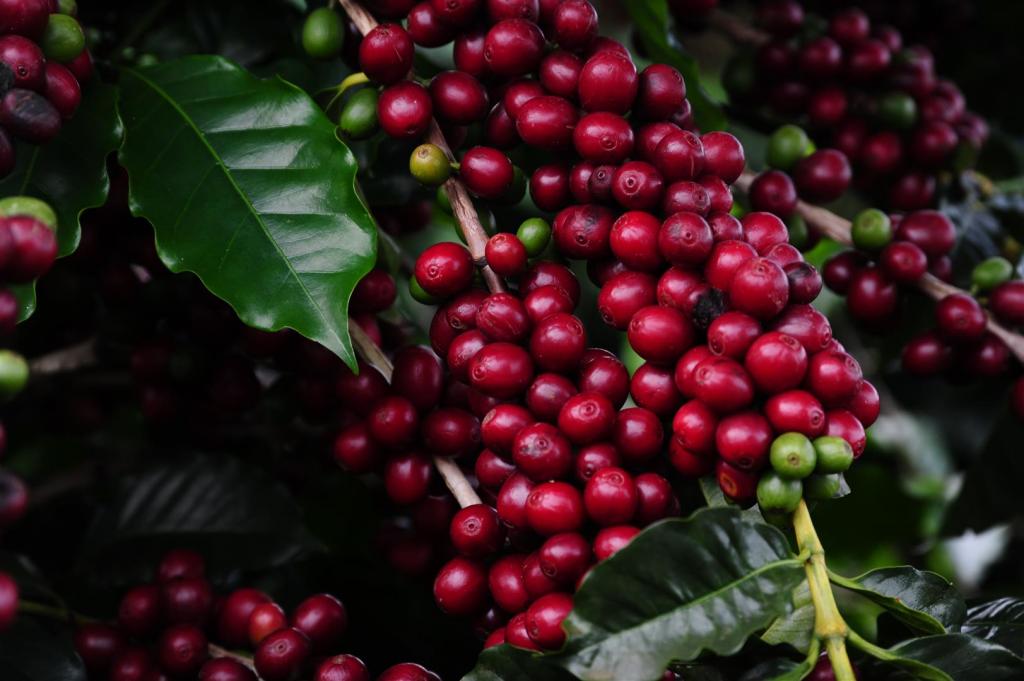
565, 557
592, 458
694, 426
511, 502
62, 90
429, 165
182, 650
505, 581
225, 669
685, 239
491, 470
991, 272
506, 255
139, 613
408, 671
487, 172
407, 477
574, 24
427, 28
34, 248
871, 230
903, 262
793, 456
834, 454
534, 234
722, 384
516, 634
638, 434
586, 418
542, 452
323, 619
461, 587
282, 655
547, 122
743, 440
444, 269
404, 110
547, 394
342, 668
611, 540
689, 464
553, 508
929, 230
926, 355
842, 423
513, 47
323, 34
823, 176
544, 619
680, 156
611, 497
833, 376
180, 564
557, 342
960, 318
475, 531
822, 487
1007, 302
264, 620
136, 664
386, 53
608, 82
234, 614
759, 288
393, 422
500, 426
778, 494
653, 388
660, 334
796, 411
776, 362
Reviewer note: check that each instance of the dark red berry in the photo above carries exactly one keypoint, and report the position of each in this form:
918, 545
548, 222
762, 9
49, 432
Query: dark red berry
557, 342
743, 440
282, 655
544, 619
98, 644
547, 122
513, 47
653, 387
341, 668
547, 394
139, 613
960, 318
795, 411
611, 540
660, 334
226, 669
823, 176
323, 619
542, 452
554, 507
407, 478
608, 82
182, 650
638, 434
427, 27
404, 110
386, 53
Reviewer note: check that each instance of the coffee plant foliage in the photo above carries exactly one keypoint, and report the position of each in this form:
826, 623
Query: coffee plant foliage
510, 340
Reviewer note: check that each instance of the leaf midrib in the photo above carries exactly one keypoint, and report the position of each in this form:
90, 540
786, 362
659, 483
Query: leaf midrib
244, 198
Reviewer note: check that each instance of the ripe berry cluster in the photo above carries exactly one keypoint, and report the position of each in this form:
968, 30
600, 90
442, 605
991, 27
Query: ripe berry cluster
43, 61
165, 630
859, 89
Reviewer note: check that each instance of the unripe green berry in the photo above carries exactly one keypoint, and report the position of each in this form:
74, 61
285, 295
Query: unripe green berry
430, 165
799, 233
358, 118
535, 233
31, 206
63, 39
990, 273
776, 494
69, 7
792, 455
323, 34
786, 146
835, 455
822, 487
443, 202
419, 295
897, 110
13, 373
871, 230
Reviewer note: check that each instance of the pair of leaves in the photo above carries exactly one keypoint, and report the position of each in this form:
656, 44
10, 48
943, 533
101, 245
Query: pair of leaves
953, 657
680, 588
247, 186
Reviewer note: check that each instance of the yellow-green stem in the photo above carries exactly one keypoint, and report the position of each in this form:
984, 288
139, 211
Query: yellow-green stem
829, 625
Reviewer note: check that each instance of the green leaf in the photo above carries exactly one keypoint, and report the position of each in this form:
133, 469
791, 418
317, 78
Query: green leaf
679, 588
653, 25
779, 669
797, 627
1000, 621
248, 187
506, 663
39, 650
223, 507
959, 657
921, 600
69, 173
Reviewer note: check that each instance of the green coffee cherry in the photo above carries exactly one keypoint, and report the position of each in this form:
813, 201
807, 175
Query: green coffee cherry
792, 456
358, 118
419, 295
443, 202
834, 454
63, 39
13, 373
430, 165
898, 110
871, 230
323, 34
776, 494
990, 273
799, 233
822, 487
737, 211
786, 146
69, 7
535, 233
31, 206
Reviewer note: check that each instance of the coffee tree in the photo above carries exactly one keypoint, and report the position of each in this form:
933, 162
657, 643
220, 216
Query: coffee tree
506, 340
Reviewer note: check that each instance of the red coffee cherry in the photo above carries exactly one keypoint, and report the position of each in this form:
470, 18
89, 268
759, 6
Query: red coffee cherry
872, 299
764, 231
623, 296
960, 318
611, 540
776, 362
732, 333
547, 394
536, 581
926, 355
608, 82
506, 584
342, 668
182, 650
611, 497
510, 9
603, 137
583, 232
759, 288
685, 239
656, 499
233, 618
638, 434
545, 273
680, 156
807, 325
833, 376
282, 655
408, 672
743, 440
542, 452
693, 426
225, 669
393, 422
564, 558
574, 24
722, 384
516, 634
559, 72
865, 404
723, 155
461, 587
592, 458
633, 240
444, 269
140, 611
661, 94
323, 619
689, 464
187, 600
737, 484
606, 375
903, 262
500, 426
820, 58
557, 342
511, 502
823, 176
842, 423
774, 192
725, 259
795, 411
407, 478
586, 418
637, 185
513, 47
404, 110
264, 620
386, 53
62, 90
491, 470
486, 172
549, 187
501, 370
458, 98
660, 334
506, 255
685, 369
544, 619
547, 122
502, 317
98, 644
553, 508
1007, 302
653, 387
718, 192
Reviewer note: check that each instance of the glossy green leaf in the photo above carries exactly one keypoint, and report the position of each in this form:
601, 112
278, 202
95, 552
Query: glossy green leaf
653, 25
779, 669
223, 507
797, 627
69, 173
506, 663
922, 600
248, 187
1000, 621
960, 658
681, 587
35, 649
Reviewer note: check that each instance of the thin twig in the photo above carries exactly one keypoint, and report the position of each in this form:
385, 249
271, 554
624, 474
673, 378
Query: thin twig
453, 477
71, 358
837, 228
462, 204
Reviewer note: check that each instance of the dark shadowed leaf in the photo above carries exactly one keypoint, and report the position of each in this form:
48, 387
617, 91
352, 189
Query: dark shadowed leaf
505, 663
1000, 621
36, 649
681, 587
248, 187
922, 600
957, 657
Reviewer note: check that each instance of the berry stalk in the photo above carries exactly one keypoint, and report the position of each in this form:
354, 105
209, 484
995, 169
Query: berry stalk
450, 472
829, 625
838, 229
462, 205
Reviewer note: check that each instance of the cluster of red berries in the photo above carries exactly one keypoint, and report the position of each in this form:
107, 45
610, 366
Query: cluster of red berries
164, 630
43, 60
859, 89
